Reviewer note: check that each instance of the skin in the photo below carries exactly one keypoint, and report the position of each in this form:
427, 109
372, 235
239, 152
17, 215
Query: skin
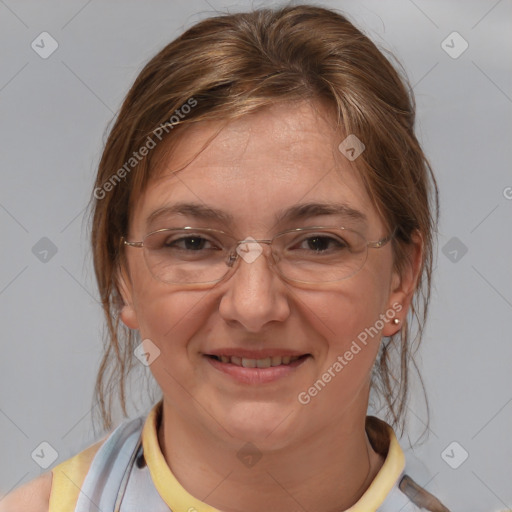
252, 168
33, 496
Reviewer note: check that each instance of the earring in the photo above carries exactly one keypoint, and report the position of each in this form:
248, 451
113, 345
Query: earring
396, 321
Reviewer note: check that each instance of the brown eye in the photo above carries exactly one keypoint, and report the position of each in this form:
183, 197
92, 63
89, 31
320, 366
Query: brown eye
188, 243
322, 243
181, 242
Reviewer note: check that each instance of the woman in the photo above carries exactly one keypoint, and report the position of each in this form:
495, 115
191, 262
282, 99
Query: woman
263, 228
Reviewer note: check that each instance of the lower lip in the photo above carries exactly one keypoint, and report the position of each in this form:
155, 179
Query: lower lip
256, 375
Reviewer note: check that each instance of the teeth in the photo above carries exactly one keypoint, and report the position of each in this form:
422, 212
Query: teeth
264, 363
267, 362
276, 360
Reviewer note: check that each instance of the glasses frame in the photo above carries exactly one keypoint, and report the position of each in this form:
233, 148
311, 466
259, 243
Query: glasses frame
234, 256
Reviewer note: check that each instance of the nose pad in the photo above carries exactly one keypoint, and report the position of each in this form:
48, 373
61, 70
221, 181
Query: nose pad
249, 250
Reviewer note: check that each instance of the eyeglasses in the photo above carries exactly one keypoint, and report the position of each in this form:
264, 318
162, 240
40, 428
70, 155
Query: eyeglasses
311, 255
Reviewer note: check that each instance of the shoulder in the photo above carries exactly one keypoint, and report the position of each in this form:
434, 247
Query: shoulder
33, 496
58, 489
55, 486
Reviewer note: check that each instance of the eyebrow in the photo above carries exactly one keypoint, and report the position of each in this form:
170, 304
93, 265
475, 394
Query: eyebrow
292, 214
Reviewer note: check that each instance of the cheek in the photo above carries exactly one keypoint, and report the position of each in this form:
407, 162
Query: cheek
349, 325
168, 317
159, 309
342, 315
171, 319
350, 322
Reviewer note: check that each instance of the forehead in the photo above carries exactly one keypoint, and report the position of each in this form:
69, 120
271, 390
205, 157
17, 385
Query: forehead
285, 133
257, 166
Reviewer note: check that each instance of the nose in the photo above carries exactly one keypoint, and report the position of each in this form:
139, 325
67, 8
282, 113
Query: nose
254, 294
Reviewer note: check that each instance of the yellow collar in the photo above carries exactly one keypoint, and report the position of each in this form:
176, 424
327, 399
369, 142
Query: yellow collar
179, 500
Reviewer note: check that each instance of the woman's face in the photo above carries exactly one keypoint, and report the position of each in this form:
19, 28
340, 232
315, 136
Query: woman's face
253, 171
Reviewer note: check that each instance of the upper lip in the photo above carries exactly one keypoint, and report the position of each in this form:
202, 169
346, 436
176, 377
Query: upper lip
255, 354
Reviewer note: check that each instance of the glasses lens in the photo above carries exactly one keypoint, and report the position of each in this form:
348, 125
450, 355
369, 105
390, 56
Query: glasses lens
320, 255
187, 256
199, 256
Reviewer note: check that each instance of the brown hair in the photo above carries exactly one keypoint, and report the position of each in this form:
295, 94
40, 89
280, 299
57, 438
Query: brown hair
231, 65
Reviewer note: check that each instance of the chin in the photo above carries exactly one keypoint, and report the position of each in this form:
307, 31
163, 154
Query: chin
266, 425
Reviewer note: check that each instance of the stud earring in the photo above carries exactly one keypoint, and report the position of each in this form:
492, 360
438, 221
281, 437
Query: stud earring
396, 321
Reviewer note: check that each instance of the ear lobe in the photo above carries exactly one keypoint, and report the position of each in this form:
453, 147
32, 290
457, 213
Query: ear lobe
128, 314
129, 317
403, 286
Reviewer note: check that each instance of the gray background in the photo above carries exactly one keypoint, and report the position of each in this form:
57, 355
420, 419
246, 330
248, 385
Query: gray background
53, 116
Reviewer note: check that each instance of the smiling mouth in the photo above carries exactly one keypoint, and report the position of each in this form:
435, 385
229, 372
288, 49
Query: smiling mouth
266, 362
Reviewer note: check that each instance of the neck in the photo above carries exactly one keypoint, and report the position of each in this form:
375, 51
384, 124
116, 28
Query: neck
327, 472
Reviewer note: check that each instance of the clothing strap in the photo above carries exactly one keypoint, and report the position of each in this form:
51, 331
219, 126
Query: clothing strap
115, 483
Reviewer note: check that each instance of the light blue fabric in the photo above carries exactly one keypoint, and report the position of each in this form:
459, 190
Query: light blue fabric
116, 483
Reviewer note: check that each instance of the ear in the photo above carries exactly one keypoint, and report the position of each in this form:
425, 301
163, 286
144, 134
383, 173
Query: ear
403, 286
128, 313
